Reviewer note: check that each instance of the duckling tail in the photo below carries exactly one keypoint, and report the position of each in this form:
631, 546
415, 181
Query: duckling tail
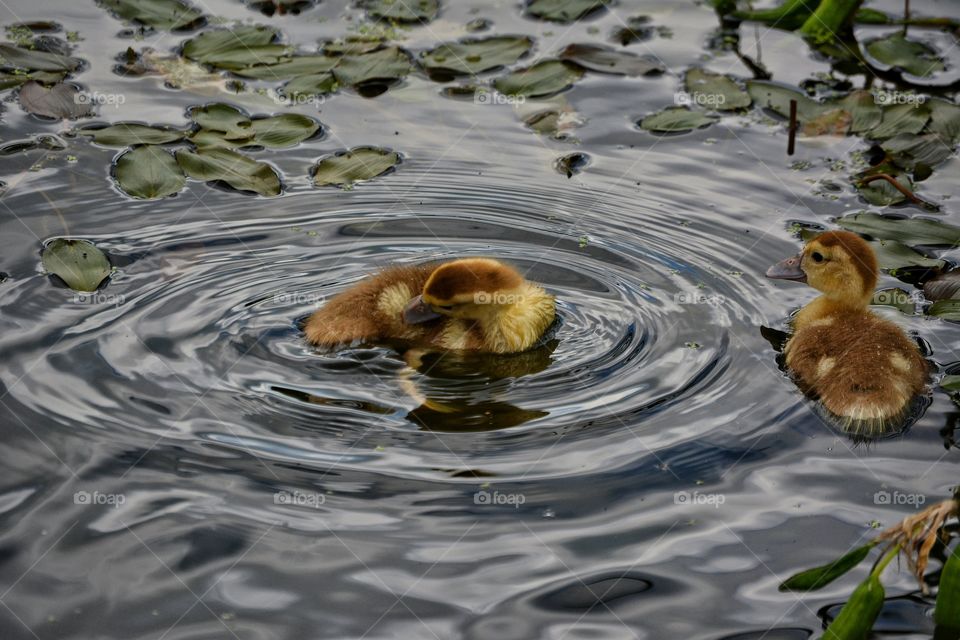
867, 409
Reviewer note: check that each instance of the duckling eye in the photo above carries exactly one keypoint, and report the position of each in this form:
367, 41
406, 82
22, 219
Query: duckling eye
817, 256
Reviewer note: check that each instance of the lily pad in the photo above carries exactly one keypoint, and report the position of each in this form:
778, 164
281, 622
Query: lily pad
864, 111
345, 168
59, 101
291, 67
777, 97
908, 149
408, 11
912, 56
237, 48
542, 79
944, 119
945, 310
149, 172
563, 10
125, 134
900, 118
883, 194
216, 116
835, 122
170, 15
606, 60
284, 130
475, 56
352, 45
676, 120
720, 91
894, 255
237, 170
946, 286
385, 65
79, 263
34, 60
912, 231
311, 85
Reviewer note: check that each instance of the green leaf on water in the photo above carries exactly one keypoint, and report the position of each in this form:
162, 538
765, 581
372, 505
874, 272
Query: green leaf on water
950, 383
79, 263
407, 11
944, 119
911, 231
819, 577
237, 48
474, 56
676, 120
385, 65
892, 255
912, 56
945, 310
125, 134
908, 149
345, 168
60, 101
857, 616
291, 67
607, 60
37, 60
883, 194
217, 116
284, 130
311, 85
719, 91
149, 172
237, 170
542, 79
777, 97
900, 118
168, 15
863, 108
563, 10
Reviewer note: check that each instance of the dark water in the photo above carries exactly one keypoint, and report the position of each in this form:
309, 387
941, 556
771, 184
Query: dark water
179, 464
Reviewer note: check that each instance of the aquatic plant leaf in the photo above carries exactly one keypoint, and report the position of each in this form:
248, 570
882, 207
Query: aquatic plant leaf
205, 138
284, 130
168, 15
676, 120
281, 7
857, 616
911, 231
408, 11
287, 68
125, 134
719, 91
311, 85
59, 101
387, 64
883, 194
37, 60
178, 72
149, 172
360, 163
237, 170
950, 383
945, 286
863, 108
240, 47
217, 116
777, 97
79, 263
476, 55
819, 577
912, 56
895, 297
542, 79
908, 149
352, 45
945, 310
944, 119
563, 10
835, 122
900, 118
606, 60
893, 255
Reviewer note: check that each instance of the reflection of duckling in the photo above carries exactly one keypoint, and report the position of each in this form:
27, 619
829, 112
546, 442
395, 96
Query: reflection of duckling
864, 369
475, 304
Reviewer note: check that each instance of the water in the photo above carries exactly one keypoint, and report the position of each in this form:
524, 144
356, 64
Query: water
180, 464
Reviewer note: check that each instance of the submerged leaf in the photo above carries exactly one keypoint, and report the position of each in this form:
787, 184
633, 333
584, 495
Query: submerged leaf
360, 163
900, 118
912, 231
606, 60
913, 57
149, 172
287, 68
707, 89
563, 10
944, 119
676, 120
542, 79
311, 85
819, 577
236, 48
945, 286
777, 97
408, 11
908, 149
385, 65
477, 55
59, 101
37, 60
159, 14
237, 170
883, 194
125, 134
79, 263
892, 255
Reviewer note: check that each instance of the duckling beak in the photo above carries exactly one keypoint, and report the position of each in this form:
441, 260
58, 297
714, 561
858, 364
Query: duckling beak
418, 311
788, 269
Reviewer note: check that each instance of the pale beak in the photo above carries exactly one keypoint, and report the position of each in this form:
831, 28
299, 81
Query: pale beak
788, 269
418, 311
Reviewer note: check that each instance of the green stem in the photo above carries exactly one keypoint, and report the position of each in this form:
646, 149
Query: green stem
790, 15
884, 561
830, 21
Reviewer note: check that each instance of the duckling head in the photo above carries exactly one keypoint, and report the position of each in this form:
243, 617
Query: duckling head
838, 263
467, 289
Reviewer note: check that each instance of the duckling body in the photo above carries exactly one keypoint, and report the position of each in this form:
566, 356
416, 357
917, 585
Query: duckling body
863, 368
473, 304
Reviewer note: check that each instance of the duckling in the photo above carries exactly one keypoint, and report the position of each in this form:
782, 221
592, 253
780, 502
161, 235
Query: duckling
470, 304
864, 369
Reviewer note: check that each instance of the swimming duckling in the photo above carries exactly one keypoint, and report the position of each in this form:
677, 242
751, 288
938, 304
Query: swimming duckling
864, 369
474, 304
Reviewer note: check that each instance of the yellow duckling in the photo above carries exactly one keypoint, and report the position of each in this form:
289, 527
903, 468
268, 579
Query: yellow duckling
864, 369
474, 304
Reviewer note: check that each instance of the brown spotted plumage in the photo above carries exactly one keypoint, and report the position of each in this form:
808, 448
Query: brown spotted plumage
864, 369
475, 304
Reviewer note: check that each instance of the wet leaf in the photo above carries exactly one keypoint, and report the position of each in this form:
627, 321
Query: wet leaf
894, 255
950, 383
883, 194
777, 97
945, 310
312, 85
177, 72
37, 60
911, 231
348, 167
408, 11
563, 10
864, 111
125, 134
835, 122
720, 91
387, 65
237, 170
168, 15
59, 101
352, 45
281, 7
79, 263
900, 118
945, 286
149, 172
571, 164
477, 55
944, 119
205, 138
819, 577
913, 57
676, 120
542, 79
236, 48
291, 67
908, 149
216, 116
606, 60
897, 298
857, 616
284, 130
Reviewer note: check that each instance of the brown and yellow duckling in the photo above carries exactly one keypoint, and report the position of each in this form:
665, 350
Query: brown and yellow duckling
471, 304
864, 369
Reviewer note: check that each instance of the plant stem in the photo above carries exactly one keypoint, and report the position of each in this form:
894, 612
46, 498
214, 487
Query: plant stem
831, 19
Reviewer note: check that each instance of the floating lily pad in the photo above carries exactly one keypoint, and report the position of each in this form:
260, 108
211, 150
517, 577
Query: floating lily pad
676, 120
386, 65
345, 168
777, 97
284, 130
835, 122
149, 172
542, 79
237, 170
864, 111
216, 116
909, 149
59, 101
475, 56
944, 120
894, 255
79, 263
946, 286
563, 10
409, 11
125, 134
34, 60
238, 48
913, 57
900, 118
352, 45
883, 194
606, 60
945, 310
291, 67
912, 231
310, 85
169, 15
719, 91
